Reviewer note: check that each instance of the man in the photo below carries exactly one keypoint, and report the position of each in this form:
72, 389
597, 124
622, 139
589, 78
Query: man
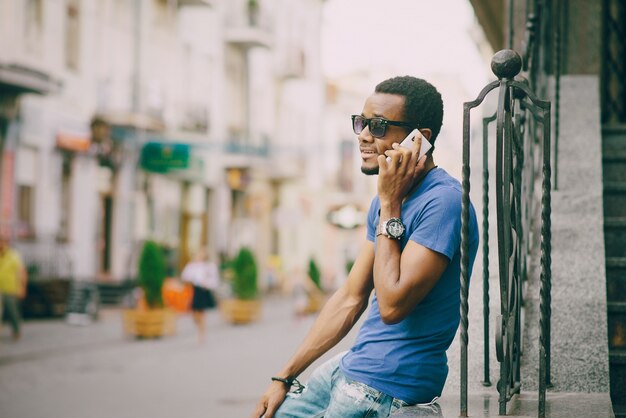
13, 280
411, 259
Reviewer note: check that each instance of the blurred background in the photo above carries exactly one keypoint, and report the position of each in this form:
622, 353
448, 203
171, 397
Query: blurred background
221, 125
152, 151
218, 124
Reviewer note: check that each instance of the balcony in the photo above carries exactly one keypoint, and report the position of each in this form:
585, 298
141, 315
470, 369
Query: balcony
182, 3
247, 29
278, 162
238, 152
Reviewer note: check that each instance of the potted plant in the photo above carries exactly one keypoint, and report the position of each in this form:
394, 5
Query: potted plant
244, 307
150, 319
315, 293
314, 274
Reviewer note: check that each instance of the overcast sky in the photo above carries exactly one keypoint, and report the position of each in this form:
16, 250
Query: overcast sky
416, 37
431, 39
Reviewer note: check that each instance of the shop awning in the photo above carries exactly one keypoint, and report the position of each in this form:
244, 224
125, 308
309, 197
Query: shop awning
73, 142
132, 120
17, 79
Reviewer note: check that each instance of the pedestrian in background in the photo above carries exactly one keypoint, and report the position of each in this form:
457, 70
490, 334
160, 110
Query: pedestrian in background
203, 274
13, 279
411, 260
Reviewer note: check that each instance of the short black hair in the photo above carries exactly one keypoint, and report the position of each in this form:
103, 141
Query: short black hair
423, 106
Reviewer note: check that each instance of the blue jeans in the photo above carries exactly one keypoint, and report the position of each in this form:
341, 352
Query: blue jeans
330, 394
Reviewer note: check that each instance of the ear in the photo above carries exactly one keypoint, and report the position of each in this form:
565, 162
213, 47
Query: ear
426, 133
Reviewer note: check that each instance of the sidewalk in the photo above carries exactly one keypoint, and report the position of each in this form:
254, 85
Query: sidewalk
52, 337
58, 370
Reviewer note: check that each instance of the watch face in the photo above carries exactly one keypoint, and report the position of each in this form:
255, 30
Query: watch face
395, 228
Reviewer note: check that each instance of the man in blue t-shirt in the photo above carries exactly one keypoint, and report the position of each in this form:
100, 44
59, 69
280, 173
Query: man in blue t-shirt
411, 260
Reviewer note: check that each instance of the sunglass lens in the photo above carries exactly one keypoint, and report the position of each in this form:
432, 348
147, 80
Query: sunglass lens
377, 128
358, 124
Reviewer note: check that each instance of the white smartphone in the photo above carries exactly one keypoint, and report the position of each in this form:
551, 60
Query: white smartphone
408, 143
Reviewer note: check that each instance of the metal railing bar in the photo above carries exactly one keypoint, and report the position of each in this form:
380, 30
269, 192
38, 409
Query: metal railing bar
465, 240
557, 89
511, 32
546, 261
486, 122
499, 195
503, 250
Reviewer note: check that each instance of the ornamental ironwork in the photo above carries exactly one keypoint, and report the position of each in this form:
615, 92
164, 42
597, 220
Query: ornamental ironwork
522, 161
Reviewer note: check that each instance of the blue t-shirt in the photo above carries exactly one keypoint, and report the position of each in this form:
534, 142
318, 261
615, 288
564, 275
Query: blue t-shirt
408, 360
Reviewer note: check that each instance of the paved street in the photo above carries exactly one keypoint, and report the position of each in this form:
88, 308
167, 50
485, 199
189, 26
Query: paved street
58, 370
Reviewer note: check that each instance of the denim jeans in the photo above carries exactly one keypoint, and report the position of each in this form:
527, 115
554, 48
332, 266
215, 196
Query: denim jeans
330, 394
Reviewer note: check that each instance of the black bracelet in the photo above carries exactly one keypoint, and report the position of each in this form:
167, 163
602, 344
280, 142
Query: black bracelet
292, 381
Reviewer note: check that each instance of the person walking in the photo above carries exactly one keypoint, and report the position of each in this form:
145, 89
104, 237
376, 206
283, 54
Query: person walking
411, 260
203, 274
13, 280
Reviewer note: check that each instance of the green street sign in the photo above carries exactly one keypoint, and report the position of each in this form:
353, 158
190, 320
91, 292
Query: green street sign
159, 157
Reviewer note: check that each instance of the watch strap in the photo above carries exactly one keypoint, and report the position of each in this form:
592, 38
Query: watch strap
382, 228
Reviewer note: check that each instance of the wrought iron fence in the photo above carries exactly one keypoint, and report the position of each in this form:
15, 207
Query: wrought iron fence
542, 49
522, 157
614, 62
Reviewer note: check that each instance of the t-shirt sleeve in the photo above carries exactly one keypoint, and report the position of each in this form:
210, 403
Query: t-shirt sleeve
371, 220
438, 226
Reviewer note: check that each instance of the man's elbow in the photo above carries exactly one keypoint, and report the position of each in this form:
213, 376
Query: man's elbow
391, 315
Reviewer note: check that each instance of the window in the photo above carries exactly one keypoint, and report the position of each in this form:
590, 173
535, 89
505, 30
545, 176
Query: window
26, 175
25, 211
72, 35
33, 24
164, 14
66, 199
236, 78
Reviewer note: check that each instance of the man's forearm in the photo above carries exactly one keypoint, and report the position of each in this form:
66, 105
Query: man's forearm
333, 323
387, 262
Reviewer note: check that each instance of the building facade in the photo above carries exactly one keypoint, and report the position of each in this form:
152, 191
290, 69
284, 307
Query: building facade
175, 120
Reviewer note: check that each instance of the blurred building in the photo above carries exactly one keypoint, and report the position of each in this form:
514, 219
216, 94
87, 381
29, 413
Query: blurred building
185, 121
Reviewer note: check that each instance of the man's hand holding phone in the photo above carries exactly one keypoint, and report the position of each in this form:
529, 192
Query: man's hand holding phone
403, 166
410, 139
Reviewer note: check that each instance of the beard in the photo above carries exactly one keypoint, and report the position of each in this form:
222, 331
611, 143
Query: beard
369, 171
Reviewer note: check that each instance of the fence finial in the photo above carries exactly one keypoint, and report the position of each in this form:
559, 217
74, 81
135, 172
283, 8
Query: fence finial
506, 63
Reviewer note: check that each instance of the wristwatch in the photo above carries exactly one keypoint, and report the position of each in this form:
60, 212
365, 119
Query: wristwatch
392, 228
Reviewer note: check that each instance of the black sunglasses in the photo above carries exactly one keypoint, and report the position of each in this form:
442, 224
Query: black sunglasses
378, 126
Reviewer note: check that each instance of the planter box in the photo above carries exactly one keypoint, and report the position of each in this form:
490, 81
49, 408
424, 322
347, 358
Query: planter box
150, 323
238, 311
315, 303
